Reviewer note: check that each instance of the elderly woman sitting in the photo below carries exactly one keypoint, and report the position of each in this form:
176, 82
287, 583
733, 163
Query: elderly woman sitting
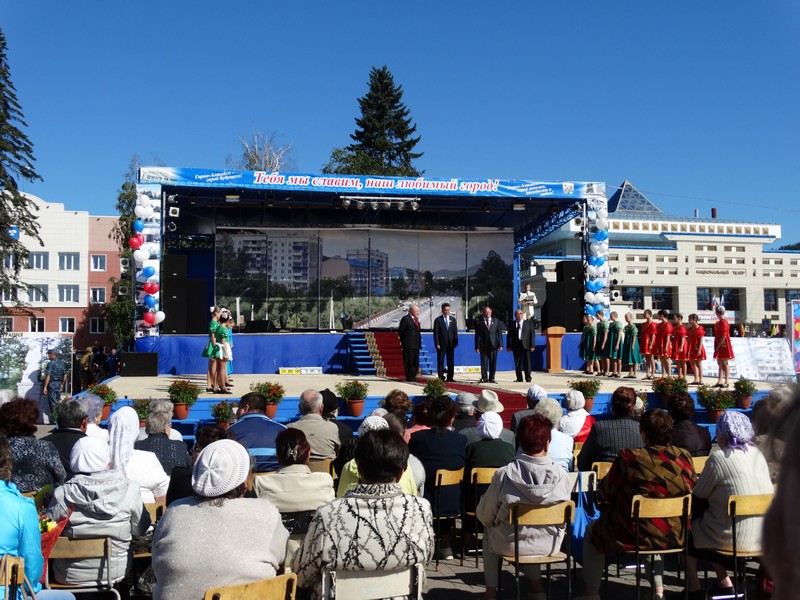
608, 437
94, 406
532, 478
218, 537
561, 445
738, 467
577, 423
685, 433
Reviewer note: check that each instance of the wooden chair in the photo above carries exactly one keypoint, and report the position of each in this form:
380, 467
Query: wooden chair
478, 477
657, 508
601, 469
699, 463
531, 515
12, 577
588, 482
98, 548
280, 587
322, 466
373, 585
576, 449
443, 478
156, 510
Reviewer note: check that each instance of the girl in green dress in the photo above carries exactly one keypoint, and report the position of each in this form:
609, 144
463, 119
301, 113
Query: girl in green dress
601, 344
212, 350
630, 347
615, 338
588, 339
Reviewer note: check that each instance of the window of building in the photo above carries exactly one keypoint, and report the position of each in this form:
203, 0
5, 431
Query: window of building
792, 295
634, 295
729, 298
38, 293
66, 325
39, 261
770, 300
69, 261
703, 298
97, 325
98, 262
68, 293
8, 295
98, 295
8, 261
662, 298
6, 324
36, 324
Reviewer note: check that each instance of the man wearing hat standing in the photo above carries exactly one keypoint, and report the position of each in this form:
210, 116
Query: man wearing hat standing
410, 340
488, 340
55, 380
445, 338
488, 402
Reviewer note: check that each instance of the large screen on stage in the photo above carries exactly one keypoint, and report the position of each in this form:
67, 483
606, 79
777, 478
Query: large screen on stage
329, 279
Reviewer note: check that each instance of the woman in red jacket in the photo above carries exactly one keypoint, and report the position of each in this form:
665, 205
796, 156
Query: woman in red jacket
723, 351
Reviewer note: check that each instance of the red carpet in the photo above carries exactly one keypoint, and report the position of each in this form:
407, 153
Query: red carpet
391, 353
511, 401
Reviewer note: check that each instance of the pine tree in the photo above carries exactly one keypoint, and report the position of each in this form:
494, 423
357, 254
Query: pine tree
17, 212
383, 142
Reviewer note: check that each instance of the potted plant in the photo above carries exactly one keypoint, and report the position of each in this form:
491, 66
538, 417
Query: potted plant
141, 406
108, 396
589, 389
669, 385
715, 400
743, 390
183, 394
223, 413
353, 392
273, 393
434, 387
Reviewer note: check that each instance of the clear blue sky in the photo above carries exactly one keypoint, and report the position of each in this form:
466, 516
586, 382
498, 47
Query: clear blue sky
696, 103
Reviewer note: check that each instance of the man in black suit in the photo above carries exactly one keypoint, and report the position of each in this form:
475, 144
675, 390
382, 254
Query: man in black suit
488, 340
520, 341
410, 340
445, 338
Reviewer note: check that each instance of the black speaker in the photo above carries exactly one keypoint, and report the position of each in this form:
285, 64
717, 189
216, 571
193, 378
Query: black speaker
563, 306
173, 266
553, 307
569, 270
173, 303
139, 364
197, 306
263, 326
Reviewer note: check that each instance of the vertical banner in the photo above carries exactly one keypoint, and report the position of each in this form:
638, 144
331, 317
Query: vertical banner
793, 331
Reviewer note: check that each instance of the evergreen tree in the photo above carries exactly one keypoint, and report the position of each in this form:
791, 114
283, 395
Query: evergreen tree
17, 212
383, 142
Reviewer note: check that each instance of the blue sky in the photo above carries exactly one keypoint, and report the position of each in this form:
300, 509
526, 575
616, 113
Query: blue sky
696, 103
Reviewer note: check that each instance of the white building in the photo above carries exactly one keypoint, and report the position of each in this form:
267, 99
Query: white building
681, 264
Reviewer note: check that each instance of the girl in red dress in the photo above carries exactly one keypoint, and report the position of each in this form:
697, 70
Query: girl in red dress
697, 353
723, 351
648, 345
680, 346
664, 344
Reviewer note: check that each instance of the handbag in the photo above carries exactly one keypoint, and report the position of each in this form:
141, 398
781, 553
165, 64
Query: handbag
585, 513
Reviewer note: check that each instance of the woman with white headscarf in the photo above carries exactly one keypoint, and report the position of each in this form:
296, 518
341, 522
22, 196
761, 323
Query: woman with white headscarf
218, 537
141, 466
737, 468
577, 423
103, 503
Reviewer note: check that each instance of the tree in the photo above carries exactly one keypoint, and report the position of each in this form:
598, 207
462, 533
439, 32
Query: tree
262, 153
383, 142
17, 212
795, 246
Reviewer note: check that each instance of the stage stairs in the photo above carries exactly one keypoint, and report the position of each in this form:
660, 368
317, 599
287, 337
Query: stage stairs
388, 355
360, 353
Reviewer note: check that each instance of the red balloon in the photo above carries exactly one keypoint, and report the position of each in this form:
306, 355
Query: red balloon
149, 318
148, 288
154, 288
135, 242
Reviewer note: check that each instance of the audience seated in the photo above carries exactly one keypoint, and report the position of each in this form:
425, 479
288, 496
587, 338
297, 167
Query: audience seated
94, 410
608, 437
36, 462
738, 467
180, 481
166, 407
375, 526
104, 503
19, 529
534, 395
487, 402
420, 415
561, 445
770, 428
256, 431
656, 470
349, 478
532, 478
347, 441
138, 465
170, 453
218, 537
72, 420
397, 423
577, 423
322, 435
685, 434
465, 411
397, 402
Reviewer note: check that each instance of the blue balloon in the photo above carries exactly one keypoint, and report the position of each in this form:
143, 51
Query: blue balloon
598, 307
148, 272
138, 226
600, 261
589, 309
593, 261
150, 301
601, 235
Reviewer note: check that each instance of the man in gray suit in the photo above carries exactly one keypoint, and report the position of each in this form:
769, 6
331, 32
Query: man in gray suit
520, 340
445, 338
488, 340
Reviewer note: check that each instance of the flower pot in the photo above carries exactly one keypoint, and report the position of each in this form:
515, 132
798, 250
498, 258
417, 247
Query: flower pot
589, 404
744, 401
356, 407
222, 425
105, 412
141, 423
272, 410
180, 411
714, 414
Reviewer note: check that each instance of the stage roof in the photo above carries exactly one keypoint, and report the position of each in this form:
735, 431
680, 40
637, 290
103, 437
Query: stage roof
211, 199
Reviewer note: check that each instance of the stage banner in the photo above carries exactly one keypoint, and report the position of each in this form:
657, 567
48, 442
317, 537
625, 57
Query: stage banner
760, 359
793, 331
368, 184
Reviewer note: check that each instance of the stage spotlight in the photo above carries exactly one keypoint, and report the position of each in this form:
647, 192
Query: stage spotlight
374, 205
414, 205
359, 204
172, 199
174, 211
172, 227
346, 203
401, 205
387, 204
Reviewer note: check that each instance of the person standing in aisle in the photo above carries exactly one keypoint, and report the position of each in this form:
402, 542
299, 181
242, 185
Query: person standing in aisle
55, 380
410, 340
445, 338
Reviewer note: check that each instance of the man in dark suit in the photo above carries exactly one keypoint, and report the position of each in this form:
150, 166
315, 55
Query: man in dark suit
488, 340
410, 340
520, 341
445, 338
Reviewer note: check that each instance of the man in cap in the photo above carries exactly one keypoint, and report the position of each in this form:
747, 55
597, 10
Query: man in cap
256, 431
487, 402
55, 380
465, 415
322, 435
536, 393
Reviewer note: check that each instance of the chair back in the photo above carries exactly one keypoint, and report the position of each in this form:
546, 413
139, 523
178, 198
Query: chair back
754, 505
588, 482
156, 510
699, 463
88, 548
538, 515
481, 475
643, 507
372, 585
444, 477
280, 587
321, 466
601, 469
12, 577
576, 449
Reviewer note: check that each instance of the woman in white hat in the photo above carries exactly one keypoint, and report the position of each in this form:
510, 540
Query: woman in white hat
577, 423
218, 538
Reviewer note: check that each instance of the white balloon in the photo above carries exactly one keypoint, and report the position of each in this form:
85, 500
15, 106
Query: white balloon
141, 211
600, 298
591, 271
594, 247
589, 297
602, 213
160, 316
141, 255
143, 200
148, 211
601, 223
